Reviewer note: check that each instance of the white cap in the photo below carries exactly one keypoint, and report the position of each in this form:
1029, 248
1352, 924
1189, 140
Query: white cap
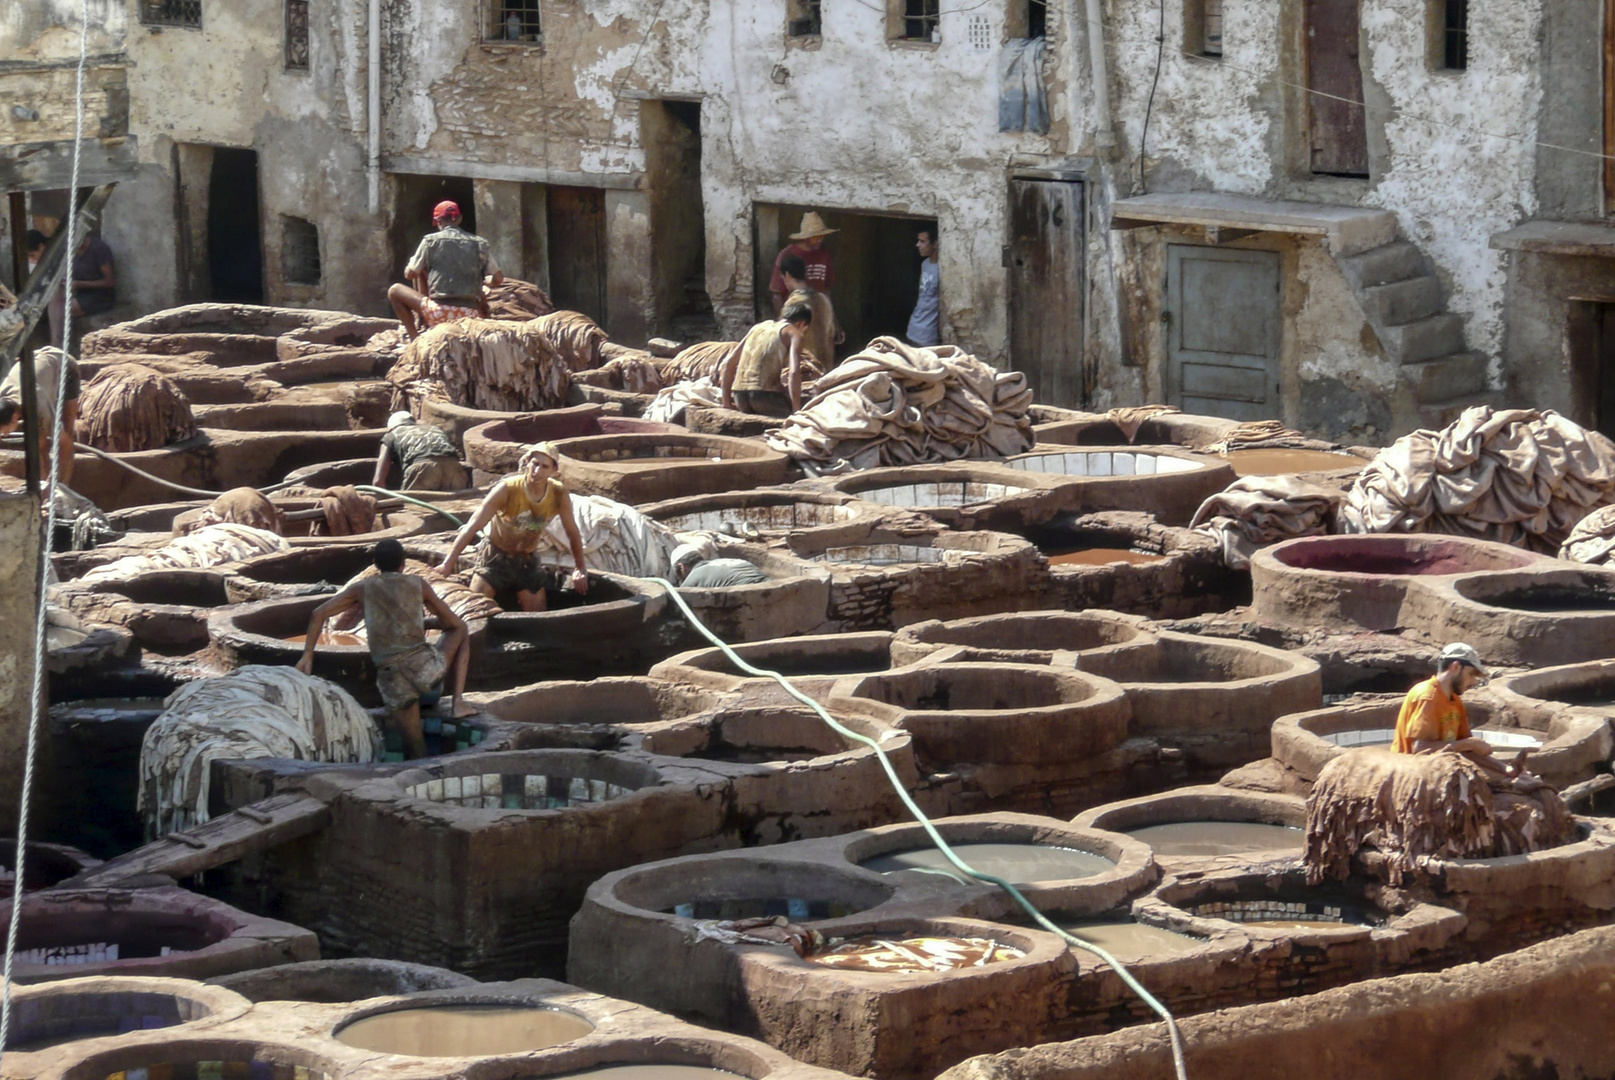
685, 553
1464, 654
399, 418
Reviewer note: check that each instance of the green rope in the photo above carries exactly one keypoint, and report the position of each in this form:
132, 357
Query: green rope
369, 490
931, 830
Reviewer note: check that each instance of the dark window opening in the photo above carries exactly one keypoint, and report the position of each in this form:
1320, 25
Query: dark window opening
296, 35
804, 18
300, 251
920, 19
1202, 28
1455, 36
1037, 18
234, 248
172, 12
516, 20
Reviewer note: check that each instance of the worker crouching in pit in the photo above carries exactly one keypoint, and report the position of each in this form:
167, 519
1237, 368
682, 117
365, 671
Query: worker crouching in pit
409, 669
516, 513
426, 459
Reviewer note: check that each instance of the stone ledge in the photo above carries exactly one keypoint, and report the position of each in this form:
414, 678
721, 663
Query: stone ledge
1347, 229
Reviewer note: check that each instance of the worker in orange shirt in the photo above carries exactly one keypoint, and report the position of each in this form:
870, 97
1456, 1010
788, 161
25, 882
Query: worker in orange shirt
1433, 716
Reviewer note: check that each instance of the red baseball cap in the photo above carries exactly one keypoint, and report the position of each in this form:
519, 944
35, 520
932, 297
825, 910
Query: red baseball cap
446, 209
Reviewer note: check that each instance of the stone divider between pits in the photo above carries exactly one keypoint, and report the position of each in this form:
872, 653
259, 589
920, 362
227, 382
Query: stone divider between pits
1550, 613
640, 468
629, 939
814, 663
1162, 481
205, 937
1025, 637
1574, 745
52, 1020
1184, 574
1366, 581
1480, 1020
283, 1040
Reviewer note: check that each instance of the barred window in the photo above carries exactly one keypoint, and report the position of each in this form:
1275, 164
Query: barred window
515, 20
172, 12
296, 35
915, 20
804, 18
1455, 36
299, 251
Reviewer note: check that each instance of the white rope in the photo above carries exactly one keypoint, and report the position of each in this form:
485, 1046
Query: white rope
36, 715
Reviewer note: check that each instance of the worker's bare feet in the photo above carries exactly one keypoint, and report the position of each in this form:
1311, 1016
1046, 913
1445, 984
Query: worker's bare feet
462, 711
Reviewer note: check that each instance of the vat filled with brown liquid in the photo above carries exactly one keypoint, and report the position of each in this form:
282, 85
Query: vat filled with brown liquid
1127, 940
1101, 556
1288, 462
1017, 863
463, 1030
648, 1072
1212, 838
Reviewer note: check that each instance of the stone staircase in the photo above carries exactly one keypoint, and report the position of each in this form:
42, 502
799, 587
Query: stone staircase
1403, 301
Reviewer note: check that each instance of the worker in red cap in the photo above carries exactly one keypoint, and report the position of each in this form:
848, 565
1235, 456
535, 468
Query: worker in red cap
447, 273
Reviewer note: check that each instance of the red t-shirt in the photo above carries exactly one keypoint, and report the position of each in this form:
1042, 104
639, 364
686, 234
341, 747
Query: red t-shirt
821, 271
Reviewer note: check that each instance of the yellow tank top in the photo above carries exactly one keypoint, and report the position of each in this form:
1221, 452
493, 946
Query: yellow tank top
763, 356
518, 528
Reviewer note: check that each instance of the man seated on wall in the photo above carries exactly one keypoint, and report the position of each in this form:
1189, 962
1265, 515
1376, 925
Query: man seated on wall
448, 271
1434, 719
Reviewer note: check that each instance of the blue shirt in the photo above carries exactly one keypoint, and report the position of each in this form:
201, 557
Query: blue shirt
923, 326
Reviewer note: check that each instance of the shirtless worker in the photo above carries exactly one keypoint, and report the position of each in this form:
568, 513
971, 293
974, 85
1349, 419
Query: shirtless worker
1433, 716
426, 459
824, 333
51, 366
762, 374
408, 667
519, 509
448, 271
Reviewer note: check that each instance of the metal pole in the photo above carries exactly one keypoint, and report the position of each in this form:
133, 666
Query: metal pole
19, 247
30, 422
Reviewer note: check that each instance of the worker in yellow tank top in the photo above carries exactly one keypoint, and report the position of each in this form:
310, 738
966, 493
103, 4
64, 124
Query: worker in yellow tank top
516, 513
1433, 716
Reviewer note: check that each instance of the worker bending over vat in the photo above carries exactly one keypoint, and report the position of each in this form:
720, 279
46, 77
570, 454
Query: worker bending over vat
409, 669
516, 513
426, 459
692, 570
1433, 717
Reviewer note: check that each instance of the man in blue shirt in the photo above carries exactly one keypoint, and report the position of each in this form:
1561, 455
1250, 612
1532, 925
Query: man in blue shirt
924, 326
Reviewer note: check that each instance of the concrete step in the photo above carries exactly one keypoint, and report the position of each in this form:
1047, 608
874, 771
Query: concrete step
1438, 414
1447, 377
1395, 261
1424, 339
1400, 302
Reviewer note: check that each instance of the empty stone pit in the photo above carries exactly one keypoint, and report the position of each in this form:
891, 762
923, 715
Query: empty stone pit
335, 981
1168, 484
1008, 714
44, 865
1024, 637
52, 1015
880, 581
642, 468
814, 663
1543, 616
1215, 700
526, 780
1189, 825
493, 447
159, 931
166, 610
1364, 581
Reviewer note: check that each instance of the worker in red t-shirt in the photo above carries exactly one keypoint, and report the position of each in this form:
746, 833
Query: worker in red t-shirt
809, 247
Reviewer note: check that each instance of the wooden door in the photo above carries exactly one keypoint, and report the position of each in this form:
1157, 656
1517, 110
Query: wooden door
1603, 419
1224, 326
1045, 288
577, 249
1337, 122
1609, 106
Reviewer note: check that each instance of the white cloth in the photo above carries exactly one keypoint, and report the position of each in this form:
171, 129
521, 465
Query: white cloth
616, 539
259, 712
672, 401
212, 546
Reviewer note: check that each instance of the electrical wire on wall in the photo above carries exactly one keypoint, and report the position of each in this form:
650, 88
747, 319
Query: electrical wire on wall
1144, 136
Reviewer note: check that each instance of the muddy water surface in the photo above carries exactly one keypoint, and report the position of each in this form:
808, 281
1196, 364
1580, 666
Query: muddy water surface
651, 1072
1103, 556
463, 1030
330, 638
1207, 838
1286, 462
1019, 863
1131, 940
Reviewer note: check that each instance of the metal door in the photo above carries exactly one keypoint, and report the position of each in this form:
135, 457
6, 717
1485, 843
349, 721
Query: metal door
1338, 125
1224, 325
1045, 288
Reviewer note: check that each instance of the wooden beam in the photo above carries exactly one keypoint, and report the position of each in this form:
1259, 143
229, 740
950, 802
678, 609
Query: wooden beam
16, 323
48, 166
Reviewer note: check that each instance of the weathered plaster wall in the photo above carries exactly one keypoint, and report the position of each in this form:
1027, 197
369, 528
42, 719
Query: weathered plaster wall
1233, 126
1569, 184
20, 535
1542, 326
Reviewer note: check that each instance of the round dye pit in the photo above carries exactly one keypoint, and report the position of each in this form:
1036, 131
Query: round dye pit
1101, 556
338, 981
1284, 913
463, 1030
1020, 864
1589, 594
1383, 736
751, 736
897, 954
935, 494
794, 908
644, 1072
216, 1067
1289, 462
518, 791
46, 1020
45, 864
640, 468
742, 888
1104, 463
1398, 555
1127, 940
1202, 839
1026, 632
750, 513
65, 940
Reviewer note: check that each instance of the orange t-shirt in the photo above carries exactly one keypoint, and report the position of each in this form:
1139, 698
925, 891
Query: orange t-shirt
1429, 714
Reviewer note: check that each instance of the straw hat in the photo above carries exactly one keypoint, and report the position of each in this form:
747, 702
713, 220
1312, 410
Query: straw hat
812, 225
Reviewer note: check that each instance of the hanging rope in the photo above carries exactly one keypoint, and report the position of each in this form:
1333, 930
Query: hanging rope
1026, 905
36, 701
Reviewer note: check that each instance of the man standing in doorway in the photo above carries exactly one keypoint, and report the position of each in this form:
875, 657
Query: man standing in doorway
808, 246
925, 326
448, 271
